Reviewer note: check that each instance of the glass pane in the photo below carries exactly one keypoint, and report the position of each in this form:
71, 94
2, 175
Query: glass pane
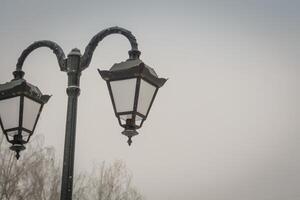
9, 112
123, 94
123, 118
145, 96
138, 121
25, 135
11, 135
138, 118
30, 113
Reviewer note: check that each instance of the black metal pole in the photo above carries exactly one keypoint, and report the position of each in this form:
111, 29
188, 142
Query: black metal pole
73, 92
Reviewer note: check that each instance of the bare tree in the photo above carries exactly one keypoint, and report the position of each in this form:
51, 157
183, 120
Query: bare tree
37, 175
113, 183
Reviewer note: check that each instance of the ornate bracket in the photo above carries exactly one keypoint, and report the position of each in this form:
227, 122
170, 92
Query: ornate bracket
134, 53
57, 50
90, 48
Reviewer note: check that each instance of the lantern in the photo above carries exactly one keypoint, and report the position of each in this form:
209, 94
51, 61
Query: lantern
20, 107
132, 87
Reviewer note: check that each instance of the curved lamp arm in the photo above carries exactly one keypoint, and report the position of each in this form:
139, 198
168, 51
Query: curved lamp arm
57, 50
134, 53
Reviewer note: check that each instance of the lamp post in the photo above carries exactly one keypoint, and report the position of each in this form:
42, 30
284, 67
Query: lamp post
132, 87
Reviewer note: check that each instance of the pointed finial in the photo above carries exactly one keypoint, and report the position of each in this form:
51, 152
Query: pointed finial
17, 154
129, 141
75, 52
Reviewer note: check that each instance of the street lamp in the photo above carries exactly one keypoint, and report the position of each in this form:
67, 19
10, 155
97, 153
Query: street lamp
132, 87
20, 106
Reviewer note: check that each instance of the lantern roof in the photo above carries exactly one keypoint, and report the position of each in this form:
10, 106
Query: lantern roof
132, 68
22, 87
130, 63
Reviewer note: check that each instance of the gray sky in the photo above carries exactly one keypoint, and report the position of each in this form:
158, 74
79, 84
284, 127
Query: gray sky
226, 124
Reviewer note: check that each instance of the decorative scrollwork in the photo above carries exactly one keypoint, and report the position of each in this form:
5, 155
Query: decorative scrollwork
57, 50
90, 48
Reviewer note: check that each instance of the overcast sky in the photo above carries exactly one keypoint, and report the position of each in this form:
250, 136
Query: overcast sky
226, 125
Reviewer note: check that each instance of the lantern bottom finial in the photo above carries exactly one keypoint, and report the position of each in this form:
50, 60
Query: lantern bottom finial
129, 141
17, 148
130, 133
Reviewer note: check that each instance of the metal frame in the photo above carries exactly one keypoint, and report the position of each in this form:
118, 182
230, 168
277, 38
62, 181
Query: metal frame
134, 112
73, 65
130, 69
134, 107
21, 89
